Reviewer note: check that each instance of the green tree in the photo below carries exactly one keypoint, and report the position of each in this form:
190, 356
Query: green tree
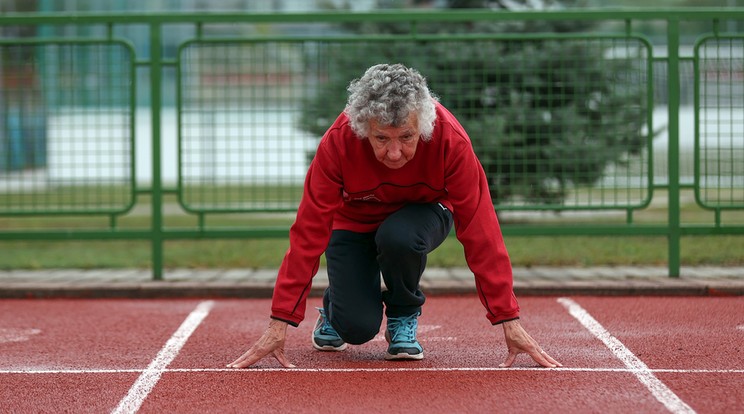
544, 114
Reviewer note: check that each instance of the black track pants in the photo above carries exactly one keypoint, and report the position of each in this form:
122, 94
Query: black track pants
398, 249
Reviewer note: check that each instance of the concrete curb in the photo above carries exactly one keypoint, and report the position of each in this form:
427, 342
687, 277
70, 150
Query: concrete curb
256, 290
251, 283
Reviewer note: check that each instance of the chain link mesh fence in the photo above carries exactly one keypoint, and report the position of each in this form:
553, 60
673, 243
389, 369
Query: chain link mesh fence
719, 140
559, 131
67, 131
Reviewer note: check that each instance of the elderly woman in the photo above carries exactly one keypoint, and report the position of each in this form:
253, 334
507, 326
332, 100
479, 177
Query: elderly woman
390, 177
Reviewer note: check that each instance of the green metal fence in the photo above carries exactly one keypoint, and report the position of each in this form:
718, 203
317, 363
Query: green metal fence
233, 111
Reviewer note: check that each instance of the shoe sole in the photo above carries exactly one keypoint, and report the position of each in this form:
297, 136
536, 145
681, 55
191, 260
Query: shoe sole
328, 348
404, 356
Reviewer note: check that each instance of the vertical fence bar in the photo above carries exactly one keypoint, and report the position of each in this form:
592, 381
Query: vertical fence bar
156, 187
673, 86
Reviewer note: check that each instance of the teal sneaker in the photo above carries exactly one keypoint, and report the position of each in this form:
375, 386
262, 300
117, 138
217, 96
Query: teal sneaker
401, 335
325, 338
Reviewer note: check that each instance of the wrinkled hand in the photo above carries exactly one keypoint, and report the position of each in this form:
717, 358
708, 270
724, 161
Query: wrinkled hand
518, 341
271, 342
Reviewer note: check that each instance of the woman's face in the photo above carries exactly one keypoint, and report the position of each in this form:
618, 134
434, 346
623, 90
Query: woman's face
394, 146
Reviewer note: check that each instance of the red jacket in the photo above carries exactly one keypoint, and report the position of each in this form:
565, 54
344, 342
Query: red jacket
347, 188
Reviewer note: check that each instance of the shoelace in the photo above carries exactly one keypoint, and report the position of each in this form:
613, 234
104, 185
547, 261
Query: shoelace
403, 329
326, 328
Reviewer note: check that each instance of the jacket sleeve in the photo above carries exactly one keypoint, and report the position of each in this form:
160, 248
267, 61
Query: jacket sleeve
477, 228
308, 236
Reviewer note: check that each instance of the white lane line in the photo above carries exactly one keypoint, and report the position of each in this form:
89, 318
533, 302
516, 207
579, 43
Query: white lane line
659, 390
151, 375
423, 369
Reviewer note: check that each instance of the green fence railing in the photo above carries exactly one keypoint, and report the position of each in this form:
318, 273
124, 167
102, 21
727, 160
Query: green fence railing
223, 112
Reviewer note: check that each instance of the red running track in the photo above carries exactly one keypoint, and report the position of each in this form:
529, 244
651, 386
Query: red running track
620, 354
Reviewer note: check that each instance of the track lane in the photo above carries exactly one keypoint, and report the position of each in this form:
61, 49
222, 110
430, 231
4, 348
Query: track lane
63, 393
398, 392
79, 334
67, 339
453, 331
675, 332
458, 374
688, 334
89, 353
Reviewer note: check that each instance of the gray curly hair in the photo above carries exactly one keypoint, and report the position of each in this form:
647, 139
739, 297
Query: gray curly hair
389, 94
